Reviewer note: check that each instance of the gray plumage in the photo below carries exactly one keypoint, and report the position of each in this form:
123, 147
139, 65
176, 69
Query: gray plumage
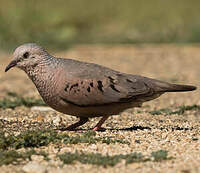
85, 89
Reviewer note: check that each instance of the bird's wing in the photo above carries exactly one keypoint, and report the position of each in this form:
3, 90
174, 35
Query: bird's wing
105, 89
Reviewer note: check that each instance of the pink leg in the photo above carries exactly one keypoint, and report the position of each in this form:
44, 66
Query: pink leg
77, 124
99, 124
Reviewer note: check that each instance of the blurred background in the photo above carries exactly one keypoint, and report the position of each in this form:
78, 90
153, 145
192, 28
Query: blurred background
63, 23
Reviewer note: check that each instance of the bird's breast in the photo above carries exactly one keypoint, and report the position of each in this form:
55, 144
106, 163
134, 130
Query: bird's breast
47, 83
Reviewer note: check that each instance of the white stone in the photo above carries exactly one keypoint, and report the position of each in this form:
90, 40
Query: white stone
57, 120
34, 167
41, 108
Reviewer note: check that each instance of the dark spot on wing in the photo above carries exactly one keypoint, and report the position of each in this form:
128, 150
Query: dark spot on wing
100, 85
111, 79
113, 87
88, 89
128, 80
66, 87
91, 84
74, 85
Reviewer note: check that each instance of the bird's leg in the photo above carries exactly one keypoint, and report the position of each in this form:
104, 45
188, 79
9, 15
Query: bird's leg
99, 124
82, 121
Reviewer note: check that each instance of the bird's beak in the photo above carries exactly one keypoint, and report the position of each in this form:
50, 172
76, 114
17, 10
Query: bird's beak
12, 64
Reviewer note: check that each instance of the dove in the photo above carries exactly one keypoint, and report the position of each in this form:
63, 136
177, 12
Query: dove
86, 90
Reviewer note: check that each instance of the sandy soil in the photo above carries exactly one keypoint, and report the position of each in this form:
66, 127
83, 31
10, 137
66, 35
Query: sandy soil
174, 133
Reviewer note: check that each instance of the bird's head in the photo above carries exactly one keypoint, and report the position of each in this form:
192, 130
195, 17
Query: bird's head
27, 55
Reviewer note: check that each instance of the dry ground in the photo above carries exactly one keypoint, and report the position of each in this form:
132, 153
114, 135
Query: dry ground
145, 132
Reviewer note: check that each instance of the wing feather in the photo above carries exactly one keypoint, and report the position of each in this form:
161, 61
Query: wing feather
104, 90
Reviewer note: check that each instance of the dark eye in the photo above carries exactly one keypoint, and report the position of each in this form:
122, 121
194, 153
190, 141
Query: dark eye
26, 55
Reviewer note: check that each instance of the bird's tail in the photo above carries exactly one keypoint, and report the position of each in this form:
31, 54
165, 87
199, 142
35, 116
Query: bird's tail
180, 88
167, 87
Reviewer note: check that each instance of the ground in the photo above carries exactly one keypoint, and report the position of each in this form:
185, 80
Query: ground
169, 123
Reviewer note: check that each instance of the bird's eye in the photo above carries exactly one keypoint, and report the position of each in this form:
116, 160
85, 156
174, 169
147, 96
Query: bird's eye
26, 55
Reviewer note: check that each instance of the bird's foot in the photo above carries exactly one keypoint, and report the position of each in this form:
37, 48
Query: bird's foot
74, 126
99, 129
99, 124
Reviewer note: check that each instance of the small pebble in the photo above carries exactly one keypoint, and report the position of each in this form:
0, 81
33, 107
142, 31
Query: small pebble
34, 167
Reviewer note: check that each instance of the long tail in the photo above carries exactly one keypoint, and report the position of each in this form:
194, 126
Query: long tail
168, 87
180, 88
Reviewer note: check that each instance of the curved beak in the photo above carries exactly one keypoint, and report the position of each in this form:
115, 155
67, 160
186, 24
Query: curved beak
12, 64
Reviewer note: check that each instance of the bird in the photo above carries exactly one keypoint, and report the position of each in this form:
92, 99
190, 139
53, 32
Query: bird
86, 90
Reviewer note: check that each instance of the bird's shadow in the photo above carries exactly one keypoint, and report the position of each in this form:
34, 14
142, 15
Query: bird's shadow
104, 129
133, 128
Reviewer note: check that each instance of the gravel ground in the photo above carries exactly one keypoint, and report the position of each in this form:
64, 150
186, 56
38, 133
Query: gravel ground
146, 133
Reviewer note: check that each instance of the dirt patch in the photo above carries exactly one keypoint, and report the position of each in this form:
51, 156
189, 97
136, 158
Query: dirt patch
152, 128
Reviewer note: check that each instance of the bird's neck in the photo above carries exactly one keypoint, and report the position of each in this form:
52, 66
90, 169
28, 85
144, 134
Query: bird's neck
41, 71
43, 76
